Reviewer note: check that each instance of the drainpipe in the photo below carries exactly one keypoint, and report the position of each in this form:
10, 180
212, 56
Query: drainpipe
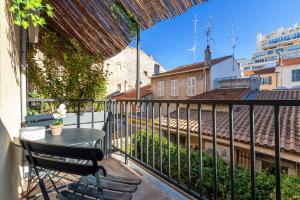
23, 67
138, 63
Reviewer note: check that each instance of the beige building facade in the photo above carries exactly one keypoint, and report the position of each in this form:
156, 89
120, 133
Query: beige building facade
10, 105
122, 70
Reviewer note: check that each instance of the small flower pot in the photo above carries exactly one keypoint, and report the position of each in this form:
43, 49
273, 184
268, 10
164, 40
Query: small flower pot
56, 129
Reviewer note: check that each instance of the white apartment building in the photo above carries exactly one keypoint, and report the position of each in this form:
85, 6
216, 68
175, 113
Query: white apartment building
284, 41
122, 70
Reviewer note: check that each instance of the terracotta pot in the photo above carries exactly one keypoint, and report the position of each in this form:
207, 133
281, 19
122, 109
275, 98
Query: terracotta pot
56, 129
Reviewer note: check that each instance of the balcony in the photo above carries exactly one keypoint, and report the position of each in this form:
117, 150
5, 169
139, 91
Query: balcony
202, 149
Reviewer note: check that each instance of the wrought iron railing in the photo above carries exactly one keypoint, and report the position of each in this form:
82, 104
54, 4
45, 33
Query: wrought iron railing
132, 118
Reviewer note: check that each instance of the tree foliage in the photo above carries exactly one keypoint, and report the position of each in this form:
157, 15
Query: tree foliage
265, 182
64, 70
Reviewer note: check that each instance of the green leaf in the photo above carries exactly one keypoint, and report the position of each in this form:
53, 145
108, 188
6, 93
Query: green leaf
25, 24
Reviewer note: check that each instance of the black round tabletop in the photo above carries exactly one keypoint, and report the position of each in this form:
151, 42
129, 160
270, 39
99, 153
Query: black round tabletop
70, 137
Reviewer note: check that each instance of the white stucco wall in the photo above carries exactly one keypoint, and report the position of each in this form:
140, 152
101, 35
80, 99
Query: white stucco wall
127, 72
10, 105
284, 77
224, 69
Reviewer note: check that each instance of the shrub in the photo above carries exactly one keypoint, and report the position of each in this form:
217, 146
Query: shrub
265, 182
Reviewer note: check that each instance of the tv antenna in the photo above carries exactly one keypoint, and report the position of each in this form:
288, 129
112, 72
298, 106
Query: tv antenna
234, 42
194, 48
208, 32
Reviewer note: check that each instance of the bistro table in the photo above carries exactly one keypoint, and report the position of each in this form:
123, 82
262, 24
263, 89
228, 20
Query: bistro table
70, 137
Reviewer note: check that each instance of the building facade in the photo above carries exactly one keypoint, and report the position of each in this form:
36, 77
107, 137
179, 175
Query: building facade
122, 70
268, 47
187, 81
288, 74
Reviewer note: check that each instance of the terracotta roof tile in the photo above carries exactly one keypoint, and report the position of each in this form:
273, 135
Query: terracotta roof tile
234, 94
261, 71
144, 91
264, 122
199, 65
291, 61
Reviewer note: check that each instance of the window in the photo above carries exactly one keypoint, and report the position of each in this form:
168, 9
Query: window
174, 88
191, 86
146, 73
270, 52
161, 89
295, 75
279, 50
119, 66
156, 69
294, 47
119, 87
266, 80
246, 68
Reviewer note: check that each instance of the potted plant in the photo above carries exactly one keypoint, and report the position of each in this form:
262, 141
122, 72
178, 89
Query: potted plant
60, 113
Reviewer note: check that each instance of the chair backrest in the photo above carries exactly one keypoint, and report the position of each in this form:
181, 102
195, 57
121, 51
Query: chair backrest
81, 153
39, 120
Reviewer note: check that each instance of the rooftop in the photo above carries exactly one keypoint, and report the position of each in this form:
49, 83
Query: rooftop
192, 67
230, 94
131, 94
264, 120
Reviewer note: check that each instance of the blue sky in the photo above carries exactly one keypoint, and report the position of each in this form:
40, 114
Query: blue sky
168, 41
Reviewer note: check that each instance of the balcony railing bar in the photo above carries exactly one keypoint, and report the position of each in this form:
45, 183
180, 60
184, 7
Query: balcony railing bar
147, 139
168, 132
153, 141
121, 124
126, 132
188, 145
277, 152
160, 139
130, 128
135, 134
253, 156
141, 129
215, 162
178, 143
232, 163
225, 102
200, 151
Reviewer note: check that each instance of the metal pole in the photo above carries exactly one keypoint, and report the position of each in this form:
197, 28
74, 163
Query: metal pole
23, 66
138, 63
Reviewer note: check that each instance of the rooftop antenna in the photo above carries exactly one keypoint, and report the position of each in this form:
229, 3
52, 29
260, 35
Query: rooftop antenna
194, 48
208, 32
234, 42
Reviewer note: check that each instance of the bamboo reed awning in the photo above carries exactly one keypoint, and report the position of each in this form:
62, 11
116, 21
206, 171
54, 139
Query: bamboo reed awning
93, 24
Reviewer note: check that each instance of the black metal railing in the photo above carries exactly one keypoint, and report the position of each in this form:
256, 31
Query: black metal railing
136, 129
134, 118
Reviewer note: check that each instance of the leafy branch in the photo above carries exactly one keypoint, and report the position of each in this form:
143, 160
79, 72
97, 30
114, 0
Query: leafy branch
24, 10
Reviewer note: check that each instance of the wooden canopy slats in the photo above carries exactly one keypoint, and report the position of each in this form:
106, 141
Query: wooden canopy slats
92, 23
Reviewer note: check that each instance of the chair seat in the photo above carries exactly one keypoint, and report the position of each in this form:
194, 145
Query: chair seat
67, 195
93, 192
134, 181
109, 185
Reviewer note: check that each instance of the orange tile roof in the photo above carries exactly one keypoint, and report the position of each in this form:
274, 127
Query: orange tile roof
261, 71
199, 65
264, 122
234, 94
291, 61
144, 91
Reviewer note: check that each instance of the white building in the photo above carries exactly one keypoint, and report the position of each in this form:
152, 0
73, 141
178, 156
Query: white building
282, 41
288, 74
122, 70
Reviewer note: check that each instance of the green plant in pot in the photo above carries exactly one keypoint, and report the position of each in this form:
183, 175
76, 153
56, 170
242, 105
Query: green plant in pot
57, 126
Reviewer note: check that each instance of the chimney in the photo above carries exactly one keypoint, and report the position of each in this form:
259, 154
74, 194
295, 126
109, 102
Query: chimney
207, 58
279, 62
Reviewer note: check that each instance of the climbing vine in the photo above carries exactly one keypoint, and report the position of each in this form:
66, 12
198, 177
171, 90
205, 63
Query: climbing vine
119, 12
30, 10
59, 68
